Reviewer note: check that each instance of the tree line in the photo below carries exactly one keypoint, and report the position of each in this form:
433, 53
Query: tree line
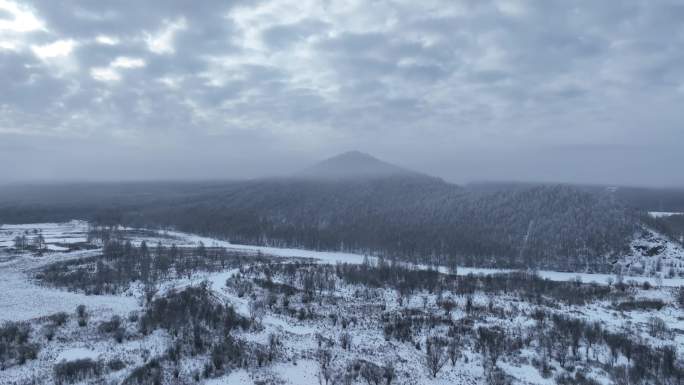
122, 262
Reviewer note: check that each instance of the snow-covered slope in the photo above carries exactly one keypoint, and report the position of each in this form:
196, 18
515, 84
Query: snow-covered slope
653, 254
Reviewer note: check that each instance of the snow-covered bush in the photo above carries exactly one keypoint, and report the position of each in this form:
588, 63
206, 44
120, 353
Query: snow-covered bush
69, 372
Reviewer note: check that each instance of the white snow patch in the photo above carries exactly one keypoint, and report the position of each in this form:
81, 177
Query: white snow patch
77, 354
304, 373
23, 300
238, 377
526, 373
56, 248
324, 256
662, 214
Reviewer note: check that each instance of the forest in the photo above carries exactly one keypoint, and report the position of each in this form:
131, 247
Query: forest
122, 263
408, 217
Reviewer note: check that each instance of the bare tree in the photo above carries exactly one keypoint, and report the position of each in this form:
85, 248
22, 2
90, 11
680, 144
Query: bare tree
273, 346
592, 334
435, 357
491, 342
657, 327
324, 364
20, 242
389, 373
39, 242
454, 350
448, 305
345, 340
371, 373
257, 310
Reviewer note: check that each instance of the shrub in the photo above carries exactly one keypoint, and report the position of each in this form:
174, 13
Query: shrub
110, 326
59, 319
657, 327
578, 379
148, 374
76, 371
133, 316
15, 345
81, 311
112, 272
371, 373
119, 335
643, 304
27, 352
49, 332
194, 305
229, 352
113, 327
345, 340
82, 315
116, 365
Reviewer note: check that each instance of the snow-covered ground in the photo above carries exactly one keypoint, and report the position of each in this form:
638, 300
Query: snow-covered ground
673, 252
661, 214
23, 299
76, 354
186, 239
62, 233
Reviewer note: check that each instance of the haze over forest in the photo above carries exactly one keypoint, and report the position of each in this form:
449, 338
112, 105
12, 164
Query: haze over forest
583, 91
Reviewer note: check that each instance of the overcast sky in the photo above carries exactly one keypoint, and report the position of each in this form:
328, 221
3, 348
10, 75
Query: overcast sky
572, 91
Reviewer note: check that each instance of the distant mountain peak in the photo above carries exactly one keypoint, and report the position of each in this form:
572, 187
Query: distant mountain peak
355, 154
353, 165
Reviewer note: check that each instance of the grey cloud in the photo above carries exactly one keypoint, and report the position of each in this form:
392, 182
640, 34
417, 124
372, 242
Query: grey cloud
490, 76
282, 36
470, 93
26, 86
126, 17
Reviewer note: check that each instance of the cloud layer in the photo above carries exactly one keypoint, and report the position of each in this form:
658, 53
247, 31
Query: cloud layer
579, 90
